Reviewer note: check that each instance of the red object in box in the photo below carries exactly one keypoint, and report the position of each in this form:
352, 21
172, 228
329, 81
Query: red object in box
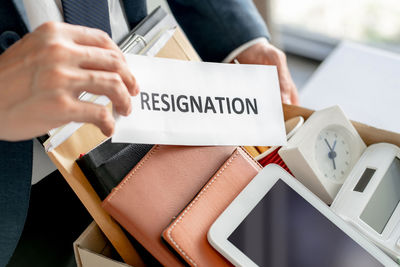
274, 157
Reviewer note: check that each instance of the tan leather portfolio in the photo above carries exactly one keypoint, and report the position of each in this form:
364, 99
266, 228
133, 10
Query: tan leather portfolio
187, 234
158, 188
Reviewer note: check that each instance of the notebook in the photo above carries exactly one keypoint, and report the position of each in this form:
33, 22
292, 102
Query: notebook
158, 188
187, 234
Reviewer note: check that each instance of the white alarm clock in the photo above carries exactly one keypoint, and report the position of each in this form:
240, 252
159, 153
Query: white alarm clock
369, 199
323, 152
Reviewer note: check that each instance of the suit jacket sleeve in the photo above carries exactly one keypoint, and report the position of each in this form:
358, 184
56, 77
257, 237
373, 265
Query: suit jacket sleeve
15, 185
217, 27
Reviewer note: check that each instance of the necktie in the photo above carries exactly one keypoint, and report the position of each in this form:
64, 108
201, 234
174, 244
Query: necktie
89, 13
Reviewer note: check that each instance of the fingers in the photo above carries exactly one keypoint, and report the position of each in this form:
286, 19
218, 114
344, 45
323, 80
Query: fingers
91, 49
288, 90
105, 83
91, 37
53, 109
92, 113
79, 34
108, 60
295, 97
289, 93
267, 54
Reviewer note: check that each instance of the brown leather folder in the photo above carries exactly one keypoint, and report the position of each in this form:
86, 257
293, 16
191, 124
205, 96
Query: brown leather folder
187, 234
158, 188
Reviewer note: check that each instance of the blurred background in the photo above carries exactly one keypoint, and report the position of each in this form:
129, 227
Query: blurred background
374, 22
309, 30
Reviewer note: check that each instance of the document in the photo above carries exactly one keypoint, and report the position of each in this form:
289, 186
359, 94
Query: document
197, 103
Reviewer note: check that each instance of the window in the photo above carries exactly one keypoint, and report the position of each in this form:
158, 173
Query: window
375, 22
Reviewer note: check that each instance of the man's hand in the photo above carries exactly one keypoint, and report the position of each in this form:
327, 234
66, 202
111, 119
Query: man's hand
42, 75
267, 54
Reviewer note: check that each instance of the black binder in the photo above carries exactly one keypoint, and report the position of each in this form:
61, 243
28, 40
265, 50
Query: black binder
107, 164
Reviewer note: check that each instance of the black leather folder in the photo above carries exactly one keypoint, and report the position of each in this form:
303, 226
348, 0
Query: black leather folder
107, 164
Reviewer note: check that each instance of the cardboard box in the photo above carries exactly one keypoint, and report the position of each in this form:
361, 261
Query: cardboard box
93, 250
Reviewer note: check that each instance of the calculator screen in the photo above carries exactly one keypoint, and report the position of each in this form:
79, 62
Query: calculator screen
385, 199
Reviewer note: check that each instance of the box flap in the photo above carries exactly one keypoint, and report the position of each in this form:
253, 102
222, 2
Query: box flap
89, 249
369, 134
92, 238
90, 259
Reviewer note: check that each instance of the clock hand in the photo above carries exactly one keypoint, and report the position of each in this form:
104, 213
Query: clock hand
332, 153
332, 156
326, 141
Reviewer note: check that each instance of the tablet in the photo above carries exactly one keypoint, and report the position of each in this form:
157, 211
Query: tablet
276, 221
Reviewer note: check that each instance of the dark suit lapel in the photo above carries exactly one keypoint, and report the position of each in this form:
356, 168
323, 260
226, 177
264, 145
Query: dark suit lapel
23, 17
135, 11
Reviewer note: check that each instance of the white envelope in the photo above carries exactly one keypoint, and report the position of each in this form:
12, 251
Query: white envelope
197, 103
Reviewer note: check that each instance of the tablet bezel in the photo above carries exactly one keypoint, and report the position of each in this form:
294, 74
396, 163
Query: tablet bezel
244, 203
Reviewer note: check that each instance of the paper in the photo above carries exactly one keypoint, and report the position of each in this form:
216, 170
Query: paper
196, 103
364, 81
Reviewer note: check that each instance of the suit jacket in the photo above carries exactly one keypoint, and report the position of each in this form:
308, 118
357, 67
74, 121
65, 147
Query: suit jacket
215, 28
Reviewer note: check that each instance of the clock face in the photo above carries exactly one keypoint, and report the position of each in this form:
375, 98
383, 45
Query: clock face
333, 154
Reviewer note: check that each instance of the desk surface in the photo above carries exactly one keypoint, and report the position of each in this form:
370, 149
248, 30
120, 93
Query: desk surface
364, 81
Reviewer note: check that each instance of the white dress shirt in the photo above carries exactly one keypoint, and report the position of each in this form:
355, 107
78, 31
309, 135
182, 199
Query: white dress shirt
40, 11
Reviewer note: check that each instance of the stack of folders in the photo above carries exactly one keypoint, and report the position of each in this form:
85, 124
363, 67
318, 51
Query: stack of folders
169, 200
147, 38
173, 194
143, 187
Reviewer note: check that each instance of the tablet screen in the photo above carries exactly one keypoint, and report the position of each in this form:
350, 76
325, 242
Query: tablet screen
285, 230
